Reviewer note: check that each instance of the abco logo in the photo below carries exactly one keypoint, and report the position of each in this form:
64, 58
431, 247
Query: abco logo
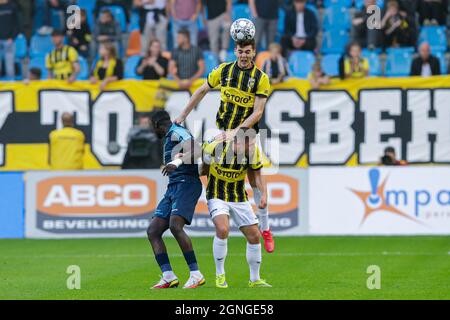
96, 196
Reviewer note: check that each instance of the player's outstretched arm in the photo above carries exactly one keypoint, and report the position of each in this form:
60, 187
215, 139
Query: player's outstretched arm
195, 100
192, 150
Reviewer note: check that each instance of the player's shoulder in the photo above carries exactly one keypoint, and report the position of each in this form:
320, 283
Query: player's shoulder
261, 73
179, 132
222, 66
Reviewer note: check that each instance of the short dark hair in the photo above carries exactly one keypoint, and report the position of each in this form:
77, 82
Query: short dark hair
36, 72
389, 149
244, 43
160, 116
57, 32
185, 32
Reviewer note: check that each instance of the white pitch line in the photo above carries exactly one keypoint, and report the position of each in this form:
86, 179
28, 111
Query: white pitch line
282, 254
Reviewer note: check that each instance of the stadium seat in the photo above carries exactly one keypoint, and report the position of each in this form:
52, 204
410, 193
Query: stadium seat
336, 18
230, 56
134, 43
40, 45
130, 67
21, 46
337, 3
39, 62
374, 62
211, 62
398, 61
89, 6
300, 63
119, 15
330, 64
441, 56
84, 69
240, 11
134, 21
334, 41
260, 58
281, 18
436, 36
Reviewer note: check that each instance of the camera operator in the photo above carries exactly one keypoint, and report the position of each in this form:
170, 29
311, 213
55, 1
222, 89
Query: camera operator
144, 148
389, 159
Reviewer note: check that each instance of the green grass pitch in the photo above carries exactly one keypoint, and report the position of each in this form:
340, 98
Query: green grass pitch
301, 268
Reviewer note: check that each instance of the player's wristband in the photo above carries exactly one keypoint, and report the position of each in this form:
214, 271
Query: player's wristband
176, 162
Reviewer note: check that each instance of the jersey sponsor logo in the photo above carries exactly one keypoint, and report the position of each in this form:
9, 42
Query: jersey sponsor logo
227, 173
96, 196
237, 99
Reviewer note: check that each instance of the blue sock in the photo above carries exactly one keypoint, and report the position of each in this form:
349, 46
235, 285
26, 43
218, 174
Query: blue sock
163, 261
191, 260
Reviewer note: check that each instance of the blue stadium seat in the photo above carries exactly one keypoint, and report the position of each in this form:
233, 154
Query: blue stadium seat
40, 45
230, 56
119, 15
84, 69
281, 18
441, 56
334, 41
130, 67
398, 61
336, 18
337, 3
89, 6
39, 62
436, 36
134, 21
330, 64
374, 62
211, 62
21, 46
300, 63
240, 11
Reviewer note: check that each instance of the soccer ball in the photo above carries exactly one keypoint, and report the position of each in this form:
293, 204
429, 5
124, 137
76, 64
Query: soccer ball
242, 29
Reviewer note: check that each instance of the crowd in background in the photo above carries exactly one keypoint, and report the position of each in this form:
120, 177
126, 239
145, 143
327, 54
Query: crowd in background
174, 34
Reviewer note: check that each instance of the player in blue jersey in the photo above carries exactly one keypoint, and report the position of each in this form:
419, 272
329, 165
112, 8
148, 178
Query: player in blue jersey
177, 207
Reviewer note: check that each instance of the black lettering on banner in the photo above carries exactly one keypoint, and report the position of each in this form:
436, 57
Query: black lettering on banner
6, 108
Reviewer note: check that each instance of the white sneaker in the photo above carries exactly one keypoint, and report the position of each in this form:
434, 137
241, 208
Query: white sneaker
166, 283
194, 281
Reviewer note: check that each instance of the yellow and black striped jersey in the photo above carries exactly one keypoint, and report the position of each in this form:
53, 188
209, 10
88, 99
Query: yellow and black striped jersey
238, 89
227, 171
60, 62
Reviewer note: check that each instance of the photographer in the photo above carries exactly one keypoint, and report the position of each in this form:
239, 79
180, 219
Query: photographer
144, 148
389, 159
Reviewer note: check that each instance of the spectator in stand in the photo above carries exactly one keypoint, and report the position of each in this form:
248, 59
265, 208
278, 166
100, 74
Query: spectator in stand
300, 29
396, 28
187, 63
275, 66
265, 15
9, 29
107, 29
26, 10
125, 4
58, 6
108, 68
144, 149
355, 66
66, 147
62, 62
81, 38
361, 33
152, 22
317, 76
218, 24
33, 74
389, 158
425, 64
185, 14
432, 12
153, 66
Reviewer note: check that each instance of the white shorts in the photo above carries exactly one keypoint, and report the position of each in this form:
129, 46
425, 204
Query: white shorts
241, 212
